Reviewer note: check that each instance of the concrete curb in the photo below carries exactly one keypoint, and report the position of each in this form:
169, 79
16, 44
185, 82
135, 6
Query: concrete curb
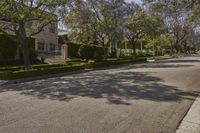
191, 122
16, 81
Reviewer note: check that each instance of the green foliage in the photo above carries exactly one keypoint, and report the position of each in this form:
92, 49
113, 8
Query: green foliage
73, 49
141, 54
160, 44
8, 48
22, 14
86, 51
106, 63
98, 52
63, 39
96, 21
33, 55
40, 66
9, 75
91, 52
125, 52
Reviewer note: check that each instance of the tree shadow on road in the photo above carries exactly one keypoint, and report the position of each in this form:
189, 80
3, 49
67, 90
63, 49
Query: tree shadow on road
159, 65
116, 87
180, 61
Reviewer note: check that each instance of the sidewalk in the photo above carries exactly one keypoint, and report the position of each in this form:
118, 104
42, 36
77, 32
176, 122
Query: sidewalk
191, 122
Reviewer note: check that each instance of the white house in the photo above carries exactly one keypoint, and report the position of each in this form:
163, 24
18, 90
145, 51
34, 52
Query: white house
46, 42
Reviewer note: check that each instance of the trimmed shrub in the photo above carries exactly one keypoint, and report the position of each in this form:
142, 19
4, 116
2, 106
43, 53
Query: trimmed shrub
9, 75
46, 69
98, 52
113, 54
73, 49
33, 56
74, 60
105, 63
86, 51
40, 66
11, 68
10, 48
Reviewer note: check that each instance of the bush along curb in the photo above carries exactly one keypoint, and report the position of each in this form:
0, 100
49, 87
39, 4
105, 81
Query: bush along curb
45, 70
11, 75
108, 63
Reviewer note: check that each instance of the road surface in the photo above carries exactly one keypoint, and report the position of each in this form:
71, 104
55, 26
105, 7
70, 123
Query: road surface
140, 98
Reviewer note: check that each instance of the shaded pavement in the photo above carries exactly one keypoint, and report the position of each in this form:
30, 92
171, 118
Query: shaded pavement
148, 97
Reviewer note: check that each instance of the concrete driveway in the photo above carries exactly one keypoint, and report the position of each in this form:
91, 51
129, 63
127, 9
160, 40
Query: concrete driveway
140, 98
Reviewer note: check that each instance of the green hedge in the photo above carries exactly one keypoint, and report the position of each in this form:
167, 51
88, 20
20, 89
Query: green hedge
73, 49
10, 48
98, 52
41, 66
91, 52
45, 69
9, 75
105, 63
86, 51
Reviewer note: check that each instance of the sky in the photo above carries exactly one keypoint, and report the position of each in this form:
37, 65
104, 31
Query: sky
137, 1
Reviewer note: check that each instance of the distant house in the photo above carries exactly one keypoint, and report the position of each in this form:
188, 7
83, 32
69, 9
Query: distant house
46, 42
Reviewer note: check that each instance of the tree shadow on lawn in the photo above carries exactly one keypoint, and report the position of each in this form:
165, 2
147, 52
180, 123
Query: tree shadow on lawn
116, 87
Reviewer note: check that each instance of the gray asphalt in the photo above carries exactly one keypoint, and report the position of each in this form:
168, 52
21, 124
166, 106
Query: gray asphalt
140, 98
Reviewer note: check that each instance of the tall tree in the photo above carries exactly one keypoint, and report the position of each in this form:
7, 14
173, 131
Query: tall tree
96, 21
17, 15
178, 18
134, 25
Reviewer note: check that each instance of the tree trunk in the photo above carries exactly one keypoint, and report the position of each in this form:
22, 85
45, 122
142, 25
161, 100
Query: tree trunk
26, 56
105, 52
21, 34
177, 49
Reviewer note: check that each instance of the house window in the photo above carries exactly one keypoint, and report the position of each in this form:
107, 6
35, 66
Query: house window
40, 46
52, 28
52, 47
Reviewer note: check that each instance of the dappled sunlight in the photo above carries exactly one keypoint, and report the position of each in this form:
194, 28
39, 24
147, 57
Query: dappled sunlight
114, 86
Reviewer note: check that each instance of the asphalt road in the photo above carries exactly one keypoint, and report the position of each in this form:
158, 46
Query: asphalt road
140, 98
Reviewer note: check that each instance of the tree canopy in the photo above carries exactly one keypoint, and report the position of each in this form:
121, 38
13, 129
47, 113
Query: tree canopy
26, 18
107, 22
172, 25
